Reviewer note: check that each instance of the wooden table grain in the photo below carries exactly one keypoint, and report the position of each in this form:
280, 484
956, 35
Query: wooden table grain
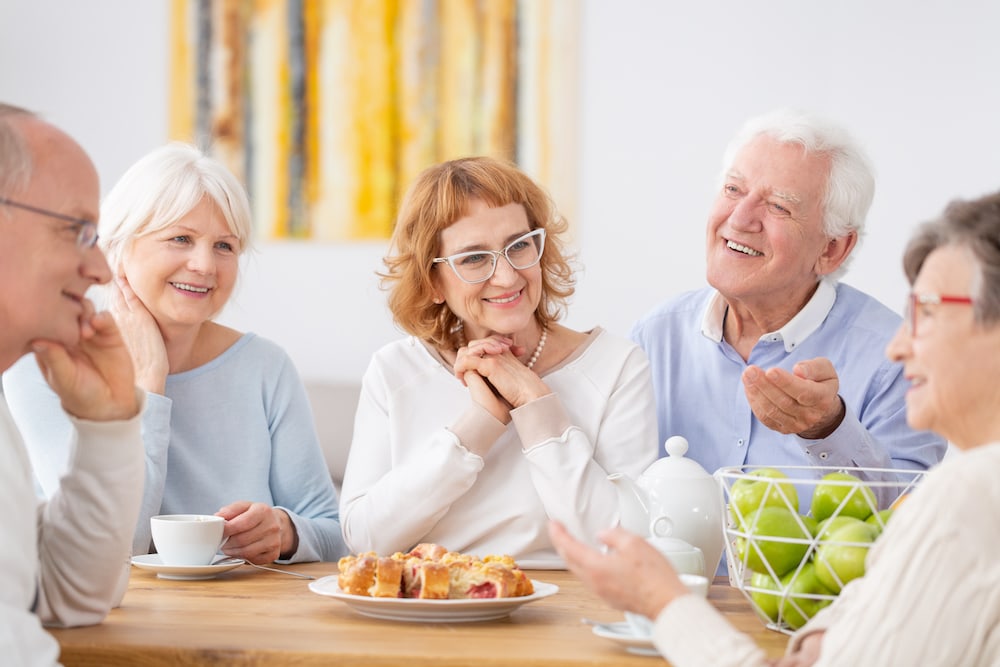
252, 617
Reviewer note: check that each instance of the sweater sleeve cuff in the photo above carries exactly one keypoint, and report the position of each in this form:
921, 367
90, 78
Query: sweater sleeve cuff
690, 631
540, 420
477, 429
818, 623
105, 437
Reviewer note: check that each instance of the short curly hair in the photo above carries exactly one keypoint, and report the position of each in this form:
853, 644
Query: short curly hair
439, 197
973, 224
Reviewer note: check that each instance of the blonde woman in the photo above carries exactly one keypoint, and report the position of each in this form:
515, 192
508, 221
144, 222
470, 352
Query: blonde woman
227, 426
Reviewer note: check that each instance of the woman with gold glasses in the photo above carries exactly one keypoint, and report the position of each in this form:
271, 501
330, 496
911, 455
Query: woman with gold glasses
491, 417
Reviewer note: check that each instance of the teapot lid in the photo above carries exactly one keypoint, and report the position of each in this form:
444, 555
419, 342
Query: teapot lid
675, 464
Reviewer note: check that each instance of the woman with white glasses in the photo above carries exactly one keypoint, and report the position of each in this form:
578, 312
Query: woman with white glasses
490, 418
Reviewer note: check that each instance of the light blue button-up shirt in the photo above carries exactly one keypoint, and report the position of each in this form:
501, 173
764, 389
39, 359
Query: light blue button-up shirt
700, 394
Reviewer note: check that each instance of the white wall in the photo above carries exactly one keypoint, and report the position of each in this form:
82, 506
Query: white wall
664, 85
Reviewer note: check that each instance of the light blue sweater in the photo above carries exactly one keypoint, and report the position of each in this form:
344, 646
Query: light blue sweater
237, 428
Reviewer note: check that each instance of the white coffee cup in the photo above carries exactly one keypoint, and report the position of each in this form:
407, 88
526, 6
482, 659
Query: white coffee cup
187, 539
642, 626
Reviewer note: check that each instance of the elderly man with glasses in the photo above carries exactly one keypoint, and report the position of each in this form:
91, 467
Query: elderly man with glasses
64, 562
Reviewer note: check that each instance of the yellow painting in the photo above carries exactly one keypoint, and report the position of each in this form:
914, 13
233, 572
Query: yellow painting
327, 109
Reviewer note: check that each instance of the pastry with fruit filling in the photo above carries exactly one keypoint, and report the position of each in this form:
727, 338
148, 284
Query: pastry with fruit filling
357, 573
425, 579
388, 579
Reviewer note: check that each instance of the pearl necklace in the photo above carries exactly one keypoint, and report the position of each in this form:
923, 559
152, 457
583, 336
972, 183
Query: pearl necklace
538, 349
533, 359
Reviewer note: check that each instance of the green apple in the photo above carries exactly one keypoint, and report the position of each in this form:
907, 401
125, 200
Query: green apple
783, 553
740, 546
841, 488
805, 595
831, 525
811, 524
768, 598
757, 490
880, 519
841, 558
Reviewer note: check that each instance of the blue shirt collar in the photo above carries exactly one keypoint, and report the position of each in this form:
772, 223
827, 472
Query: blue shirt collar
795, 330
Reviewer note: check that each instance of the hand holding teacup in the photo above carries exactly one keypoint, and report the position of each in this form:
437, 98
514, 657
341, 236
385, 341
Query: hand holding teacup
255, 532
258, 532
631, 575
642, 626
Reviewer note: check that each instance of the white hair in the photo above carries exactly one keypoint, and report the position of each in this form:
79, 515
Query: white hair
16, 162
850, 184
160, 189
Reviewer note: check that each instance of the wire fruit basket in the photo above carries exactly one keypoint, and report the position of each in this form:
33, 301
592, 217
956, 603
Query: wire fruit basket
796, 535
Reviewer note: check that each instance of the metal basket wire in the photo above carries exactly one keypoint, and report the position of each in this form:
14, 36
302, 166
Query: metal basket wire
759, 557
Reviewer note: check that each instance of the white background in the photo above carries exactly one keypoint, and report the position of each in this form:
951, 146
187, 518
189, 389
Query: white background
663, 87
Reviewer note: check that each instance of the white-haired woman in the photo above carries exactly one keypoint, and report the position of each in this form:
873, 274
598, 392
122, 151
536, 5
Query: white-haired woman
931, 592
227, 426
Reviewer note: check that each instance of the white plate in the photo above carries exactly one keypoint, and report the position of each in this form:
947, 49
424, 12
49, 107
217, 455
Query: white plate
185, 572
624, 635
430, 611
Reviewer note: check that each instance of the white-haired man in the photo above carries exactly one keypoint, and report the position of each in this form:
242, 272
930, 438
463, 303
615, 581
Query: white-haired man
776, 363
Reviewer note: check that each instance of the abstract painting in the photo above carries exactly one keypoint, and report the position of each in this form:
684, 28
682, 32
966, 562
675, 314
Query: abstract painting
327, 109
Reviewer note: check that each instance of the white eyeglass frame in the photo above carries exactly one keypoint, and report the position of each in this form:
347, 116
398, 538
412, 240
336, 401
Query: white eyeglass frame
495, 254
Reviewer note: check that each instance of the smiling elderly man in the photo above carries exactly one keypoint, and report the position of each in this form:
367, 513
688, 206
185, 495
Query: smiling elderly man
777, 363
64, 562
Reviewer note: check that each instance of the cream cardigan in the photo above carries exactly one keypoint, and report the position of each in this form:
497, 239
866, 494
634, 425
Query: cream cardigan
930, 597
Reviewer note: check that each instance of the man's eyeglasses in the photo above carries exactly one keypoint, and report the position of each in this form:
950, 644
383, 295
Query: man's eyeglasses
479, 266
913, 303
86, 230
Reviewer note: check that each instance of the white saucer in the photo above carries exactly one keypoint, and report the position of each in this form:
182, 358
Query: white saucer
431, 611
623, 634
186, 572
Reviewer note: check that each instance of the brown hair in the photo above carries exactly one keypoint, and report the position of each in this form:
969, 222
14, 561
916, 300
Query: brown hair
439, 197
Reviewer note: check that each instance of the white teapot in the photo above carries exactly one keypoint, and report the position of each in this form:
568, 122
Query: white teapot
675, 497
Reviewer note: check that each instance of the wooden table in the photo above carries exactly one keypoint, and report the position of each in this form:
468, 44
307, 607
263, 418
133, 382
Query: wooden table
252, 617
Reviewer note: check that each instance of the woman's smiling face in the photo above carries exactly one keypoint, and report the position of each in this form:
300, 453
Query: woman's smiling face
951, 362
185, 273
506, 302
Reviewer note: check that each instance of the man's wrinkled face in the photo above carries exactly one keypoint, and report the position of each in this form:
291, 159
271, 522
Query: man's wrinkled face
765, 238
43, 272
